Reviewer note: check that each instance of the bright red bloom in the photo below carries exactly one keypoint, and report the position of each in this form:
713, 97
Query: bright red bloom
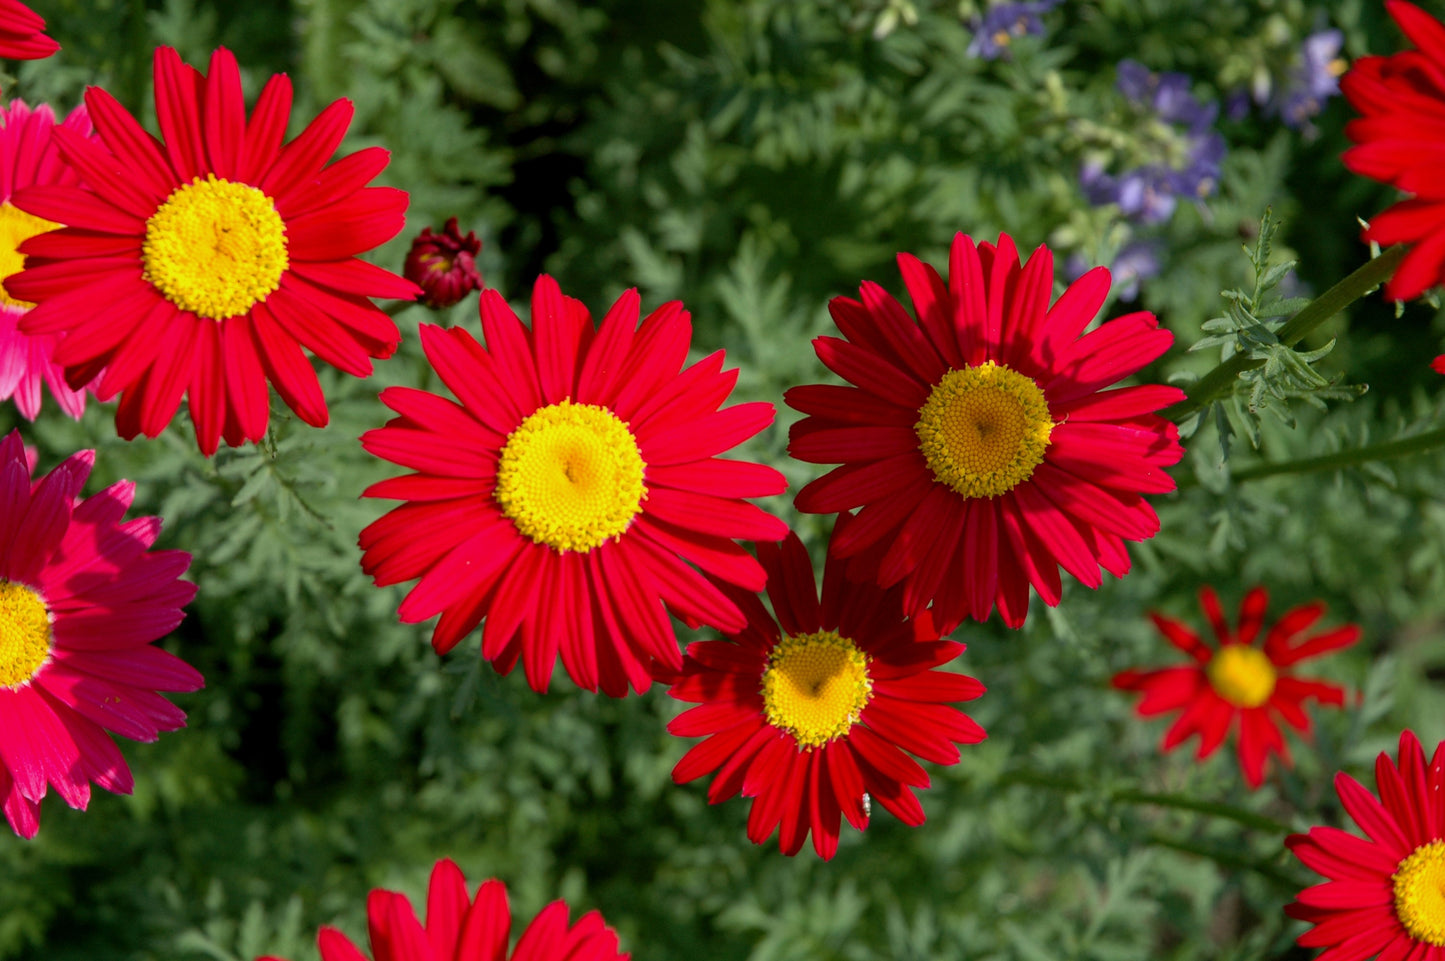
811, 713
979, 441
444, 265
21, 33
202, 265
461, 929
1239, 681
29, 156
81, 600
1386, 895
1400, 141
565, 496
1438, 364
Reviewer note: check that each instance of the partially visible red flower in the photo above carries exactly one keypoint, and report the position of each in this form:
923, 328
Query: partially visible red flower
459, 928
443, 265
206, 263
815, 708
1400, 140
1385, 897
564, 498
1438, 364
21, 33
978, 439
1238, 681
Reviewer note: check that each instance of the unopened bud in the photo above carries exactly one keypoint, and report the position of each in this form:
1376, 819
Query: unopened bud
444, 265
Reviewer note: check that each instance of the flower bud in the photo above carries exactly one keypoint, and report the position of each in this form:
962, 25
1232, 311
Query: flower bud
443, 265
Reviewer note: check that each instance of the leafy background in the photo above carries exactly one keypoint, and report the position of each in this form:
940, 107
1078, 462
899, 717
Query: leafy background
754, 159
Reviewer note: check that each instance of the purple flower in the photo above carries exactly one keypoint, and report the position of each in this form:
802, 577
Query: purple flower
1314, 79
1165, 94
996, 29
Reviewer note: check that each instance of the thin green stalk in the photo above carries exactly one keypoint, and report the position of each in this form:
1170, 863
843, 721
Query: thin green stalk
1130, 796
1219, 382
1418, 443
1228, 859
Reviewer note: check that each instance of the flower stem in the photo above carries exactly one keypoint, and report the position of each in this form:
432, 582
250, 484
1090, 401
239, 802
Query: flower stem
1228, 812
1400, 447
1219, 382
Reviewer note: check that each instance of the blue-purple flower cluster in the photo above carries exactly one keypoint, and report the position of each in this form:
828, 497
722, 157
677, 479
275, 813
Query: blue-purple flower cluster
1178, 150
998, 28
1313, 78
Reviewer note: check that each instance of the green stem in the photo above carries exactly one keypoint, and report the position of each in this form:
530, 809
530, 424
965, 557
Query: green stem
1130, 796
1228, 859
1219, 382
1417, 443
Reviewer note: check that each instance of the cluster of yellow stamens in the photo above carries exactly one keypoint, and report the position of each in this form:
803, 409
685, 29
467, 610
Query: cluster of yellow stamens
1241, 674
1420, 893
571, 476
984, 429
24, 634
816, 686
16, 227
215, 247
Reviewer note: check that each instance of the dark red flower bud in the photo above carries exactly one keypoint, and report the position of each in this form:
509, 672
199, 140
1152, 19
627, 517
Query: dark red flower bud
443, 265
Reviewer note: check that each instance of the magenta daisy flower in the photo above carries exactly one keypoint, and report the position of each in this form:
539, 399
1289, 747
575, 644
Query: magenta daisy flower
81, 599
978, 439
29, 157
568, 492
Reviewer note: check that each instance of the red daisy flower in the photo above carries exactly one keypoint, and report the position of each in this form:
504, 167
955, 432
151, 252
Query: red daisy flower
563, 498
81, 600
811, 713
202, 265
1399, 142
1239, 680
21, 33
461, 929
29, 156
1386, 895
978, 439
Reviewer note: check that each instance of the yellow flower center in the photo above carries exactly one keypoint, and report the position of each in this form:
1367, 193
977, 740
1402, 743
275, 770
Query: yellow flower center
1241, 674
815, 687
24, 634
571, 476
984, 429
16, 227
215, 247
1420, 893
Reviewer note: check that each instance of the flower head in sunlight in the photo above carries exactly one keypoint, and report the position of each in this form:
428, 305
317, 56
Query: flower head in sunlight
460, 928
1398, 141
567, 496
28, 156
813, 709
203, 263
82, 598
1385, 897
22, 33
1238, 684
978, 439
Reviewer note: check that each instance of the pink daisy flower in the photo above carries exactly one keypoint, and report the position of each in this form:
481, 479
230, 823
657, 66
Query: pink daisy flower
28, 156
81, 600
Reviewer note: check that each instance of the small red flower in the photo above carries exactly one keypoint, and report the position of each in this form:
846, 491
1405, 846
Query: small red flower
1438, 364
443, 265
1385, 897
1399, 140
459, 928
1239, 680
21, 33
814, 711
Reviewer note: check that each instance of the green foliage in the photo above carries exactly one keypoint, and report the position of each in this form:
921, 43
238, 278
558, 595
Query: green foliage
755, 159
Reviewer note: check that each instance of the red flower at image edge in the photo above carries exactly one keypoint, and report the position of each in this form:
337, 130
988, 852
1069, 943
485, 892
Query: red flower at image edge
1399, 141
1386, 895
978, 439
1239, 681
202, 265
461, 929
21, 33
811, 713
82, 598
565, 497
